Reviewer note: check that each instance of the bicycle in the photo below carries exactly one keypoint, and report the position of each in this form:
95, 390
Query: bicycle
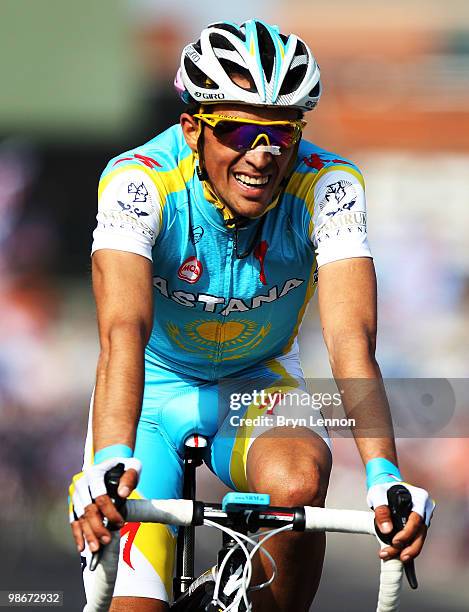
225, 586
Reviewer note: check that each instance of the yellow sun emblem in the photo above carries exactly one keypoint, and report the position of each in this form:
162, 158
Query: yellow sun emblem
219, 340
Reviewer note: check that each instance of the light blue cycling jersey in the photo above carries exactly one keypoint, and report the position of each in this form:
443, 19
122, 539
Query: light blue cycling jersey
227, 304
226, 299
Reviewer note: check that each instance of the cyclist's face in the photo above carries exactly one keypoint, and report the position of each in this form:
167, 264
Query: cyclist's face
230, 170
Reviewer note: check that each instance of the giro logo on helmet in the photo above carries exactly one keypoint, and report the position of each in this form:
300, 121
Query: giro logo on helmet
210, 96
193, 55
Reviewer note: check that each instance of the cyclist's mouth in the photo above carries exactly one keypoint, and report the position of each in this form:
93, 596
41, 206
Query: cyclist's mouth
253, 185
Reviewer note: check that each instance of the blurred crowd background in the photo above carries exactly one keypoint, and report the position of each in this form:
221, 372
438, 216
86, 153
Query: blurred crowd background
81, 82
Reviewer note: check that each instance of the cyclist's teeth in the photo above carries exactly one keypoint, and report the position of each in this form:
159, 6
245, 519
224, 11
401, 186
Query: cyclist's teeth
249, 180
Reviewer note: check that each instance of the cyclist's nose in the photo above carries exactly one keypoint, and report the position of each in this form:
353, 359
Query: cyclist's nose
259, 158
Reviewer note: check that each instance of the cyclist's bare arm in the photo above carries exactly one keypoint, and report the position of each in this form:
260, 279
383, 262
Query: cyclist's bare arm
122, 284
347, 306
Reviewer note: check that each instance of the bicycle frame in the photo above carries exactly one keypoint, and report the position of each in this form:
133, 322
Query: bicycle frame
185, 549
189, 592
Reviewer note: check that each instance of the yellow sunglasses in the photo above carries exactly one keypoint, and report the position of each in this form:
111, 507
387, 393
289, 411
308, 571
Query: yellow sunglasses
243, 134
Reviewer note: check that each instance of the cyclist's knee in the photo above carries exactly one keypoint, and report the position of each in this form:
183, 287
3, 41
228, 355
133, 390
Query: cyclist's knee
303, 486
293, 472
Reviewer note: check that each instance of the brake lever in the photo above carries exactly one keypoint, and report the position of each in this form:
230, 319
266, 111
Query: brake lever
111, 480
400, 505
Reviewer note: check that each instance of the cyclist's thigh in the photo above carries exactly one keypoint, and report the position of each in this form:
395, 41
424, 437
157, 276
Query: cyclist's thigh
282, 381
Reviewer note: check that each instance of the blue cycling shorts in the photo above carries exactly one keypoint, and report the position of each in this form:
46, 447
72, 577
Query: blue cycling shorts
231, 416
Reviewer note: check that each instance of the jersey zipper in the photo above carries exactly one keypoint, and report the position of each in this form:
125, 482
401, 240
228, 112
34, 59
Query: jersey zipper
226, 290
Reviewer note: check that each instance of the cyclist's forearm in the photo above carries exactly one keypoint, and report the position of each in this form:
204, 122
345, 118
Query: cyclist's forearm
373, 447
119, 388
364, 399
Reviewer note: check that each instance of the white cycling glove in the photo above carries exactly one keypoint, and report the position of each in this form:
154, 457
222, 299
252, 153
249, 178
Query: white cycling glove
421, 501
382, 475
89, 484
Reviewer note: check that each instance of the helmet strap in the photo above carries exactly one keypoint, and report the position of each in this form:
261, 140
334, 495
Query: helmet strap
201, 173
200, 169
203, 176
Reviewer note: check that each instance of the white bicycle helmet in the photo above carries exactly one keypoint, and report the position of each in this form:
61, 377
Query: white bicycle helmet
278, 70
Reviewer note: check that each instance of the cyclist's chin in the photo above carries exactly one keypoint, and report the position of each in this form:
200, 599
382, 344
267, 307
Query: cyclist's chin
247, 201
249, 208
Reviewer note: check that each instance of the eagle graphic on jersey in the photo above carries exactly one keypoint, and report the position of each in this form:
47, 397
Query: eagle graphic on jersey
339, 196
139, 192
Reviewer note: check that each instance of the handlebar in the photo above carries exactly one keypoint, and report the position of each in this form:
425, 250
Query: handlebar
185, 513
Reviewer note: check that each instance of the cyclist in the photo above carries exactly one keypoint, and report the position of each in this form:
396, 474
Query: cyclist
210, 240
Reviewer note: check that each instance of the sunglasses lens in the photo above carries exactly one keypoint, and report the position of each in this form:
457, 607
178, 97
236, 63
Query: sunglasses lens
282, 135
241, 136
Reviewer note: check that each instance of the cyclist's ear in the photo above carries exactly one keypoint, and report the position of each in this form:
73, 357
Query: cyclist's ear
191, 130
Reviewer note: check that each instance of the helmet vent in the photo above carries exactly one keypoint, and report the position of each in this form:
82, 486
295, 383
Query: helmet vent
218, 41
223, 49
314, 93
234, 69
300, 48
229, 28
268, 50
293, 79
198, 77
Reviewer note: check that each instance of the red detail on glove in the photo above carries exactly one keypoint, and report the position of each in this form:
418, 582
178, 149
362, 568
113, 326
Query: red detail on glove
259, 253
131, 529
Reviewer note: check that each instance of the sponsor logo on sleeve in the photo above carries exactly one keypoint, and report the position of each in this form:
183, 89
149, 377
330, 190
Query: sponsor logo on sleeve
139, 192
132, 209
116, 222
339, 196
190, 270
343, 224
